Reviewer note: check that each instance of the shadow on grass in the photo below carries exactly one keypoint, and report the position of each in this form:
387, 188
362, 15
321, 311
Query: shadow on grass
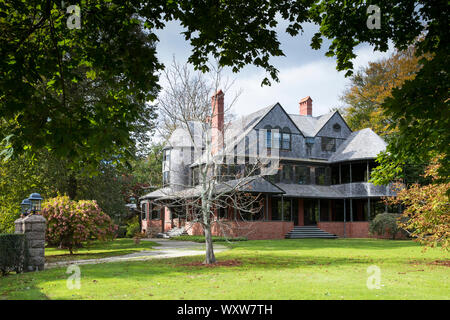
296, 244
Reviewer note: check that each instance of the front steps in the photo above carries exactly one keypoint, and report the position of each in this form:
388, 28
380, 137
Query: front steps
308, 232
174, 232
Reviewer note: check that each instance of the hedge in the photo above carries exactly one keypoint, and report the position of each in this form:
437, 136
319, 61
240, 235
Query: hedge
13, 253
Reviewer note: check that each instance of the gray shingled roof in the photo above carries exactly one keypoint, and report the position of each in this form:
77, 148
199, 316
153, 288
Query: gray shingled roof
157, 193
249, 184
310, 191
310, 126
362, 144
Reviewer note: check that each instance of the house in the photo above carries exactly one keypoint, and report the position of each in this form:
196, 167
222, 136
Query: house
319, 188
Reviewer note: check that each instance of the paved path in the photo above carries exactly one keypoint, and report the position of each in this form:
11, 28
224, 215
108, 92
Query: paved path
166, 249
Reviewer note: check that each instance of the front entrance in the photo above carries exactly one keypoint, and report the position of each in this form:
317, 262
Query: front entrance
311, 212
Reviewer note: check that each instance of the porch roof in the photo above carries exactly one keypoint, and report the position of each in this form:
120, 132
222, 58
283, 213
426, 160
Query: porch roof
250, 184
310, 191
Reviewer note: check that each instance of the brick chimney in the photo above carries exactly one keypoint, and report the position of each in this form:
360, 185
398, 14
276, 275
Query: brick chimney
217, 121
306, 106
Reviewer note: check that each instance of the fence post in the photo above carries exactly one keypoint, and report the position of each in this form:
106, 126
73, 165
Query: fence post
33, 226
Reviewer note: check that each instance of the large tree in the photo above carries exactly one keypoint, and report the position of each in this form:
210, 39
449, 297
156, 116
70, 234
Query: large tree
116, 44
371, 85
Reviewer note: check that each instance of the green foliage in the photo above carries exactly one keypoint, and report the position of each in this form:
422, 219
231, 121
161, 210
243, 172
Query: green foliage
81, 93
371, 85
427, 210
13, 253
69, 223
133, 227
201, 239
385, 224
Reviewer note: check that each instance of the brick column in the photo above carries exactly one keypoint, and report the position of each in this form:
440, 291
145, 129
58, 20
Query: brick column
33, 227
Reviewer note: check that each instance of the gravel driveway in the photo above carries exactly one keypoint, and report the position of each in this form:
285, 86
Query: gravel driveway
166, 249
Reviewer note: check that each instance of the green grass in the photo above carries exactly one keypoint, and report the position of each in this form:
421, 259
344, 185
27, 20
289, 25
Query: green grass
271, 269
201, 239
98, 249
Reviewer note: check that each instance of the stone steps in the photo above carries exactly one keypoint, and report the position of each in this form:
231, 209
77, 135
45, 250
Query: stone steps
309, 232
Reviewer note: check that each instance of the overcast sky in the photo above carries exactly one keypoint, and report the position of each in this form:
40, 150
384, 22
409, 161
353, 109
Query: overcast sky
302, 72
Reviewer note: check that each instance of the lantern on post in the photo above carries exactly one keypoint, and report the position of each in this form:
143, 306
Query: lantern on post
25, 206
35, 199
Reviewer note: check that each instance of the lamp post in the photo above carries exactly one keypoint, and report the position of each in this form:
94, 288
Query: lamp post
25, 206
35, 199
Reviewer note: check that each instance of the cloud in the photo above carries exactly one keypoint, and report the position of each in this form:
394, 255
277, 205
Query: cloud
318, 79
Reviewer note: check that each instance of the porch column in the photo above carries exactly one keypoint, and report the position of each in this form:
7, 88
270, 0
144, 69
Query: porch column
318, 206
368, 209
266, 208
351, 209
345, 217
282, 208
301, 212
291, 210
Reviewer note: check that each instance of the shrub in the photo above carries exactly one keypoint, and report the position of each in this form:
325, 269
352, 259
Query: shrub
385, 224
69, 223
13, 253
121, 232
133, 227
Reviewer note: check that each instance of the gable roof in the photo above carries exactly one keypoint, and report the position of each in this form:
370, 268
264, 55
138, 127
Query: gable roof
310, 126
360, 145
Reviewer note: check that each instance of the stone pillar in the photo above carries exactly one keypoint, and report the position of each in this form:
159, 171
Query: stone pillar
34, 226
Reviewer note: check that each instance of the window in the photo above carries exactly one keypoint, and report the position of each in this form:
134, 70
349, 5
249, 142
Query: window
328, 144
286, 174
144, 211
335, 174
286, 139
166, 178
301, 175
336, 127
156, 212
322, 175
195, 176
269, 139
273, 137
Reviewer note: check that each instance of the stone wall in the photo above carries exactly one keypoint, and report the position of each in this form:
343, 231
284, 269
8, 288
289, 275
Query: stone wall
33, 226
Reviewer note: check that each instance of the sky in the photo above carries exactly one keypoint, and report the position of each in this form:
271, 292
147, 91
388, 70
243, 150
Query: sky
302, 72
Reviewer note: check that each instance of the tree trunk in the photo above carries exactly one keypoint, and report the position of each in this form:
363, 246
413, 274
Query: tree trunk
72, 186
209, 258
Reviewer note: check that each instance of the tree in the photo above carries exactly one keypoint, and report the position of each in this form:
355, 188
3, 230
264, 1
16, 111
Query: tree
70, 223
81, 93
194, 122
364, 99
426, 210
371, 85
116, 44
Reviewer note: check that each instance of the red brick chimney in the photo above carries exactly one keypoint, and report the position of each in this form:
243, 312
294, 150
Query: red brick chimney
217, 121
306, 106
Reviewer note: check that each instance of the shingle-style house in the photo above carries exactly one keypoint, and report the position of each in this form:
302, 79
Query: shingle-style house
320, 189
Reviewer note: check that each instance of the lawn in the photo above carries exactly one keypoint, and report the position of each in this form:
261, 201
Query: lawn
98, 249
269, 269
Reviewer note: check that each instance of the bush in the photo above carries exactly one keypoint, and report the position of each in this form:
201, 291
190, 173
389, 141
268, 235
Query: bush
202, 239
13, 253
121, 232
385, 224
69, 223
133, 227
